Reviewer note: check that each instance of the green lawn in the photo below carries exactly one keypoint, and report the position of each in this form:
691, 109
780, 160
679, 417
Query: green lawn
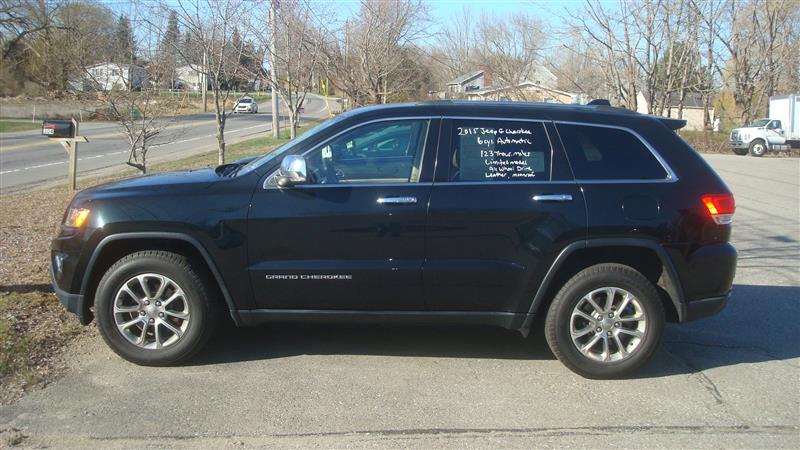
7, 126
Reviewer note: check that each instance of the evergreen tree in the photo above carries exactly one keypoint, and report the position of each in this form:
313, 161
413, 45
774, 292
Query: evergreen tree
124, 43
172, 36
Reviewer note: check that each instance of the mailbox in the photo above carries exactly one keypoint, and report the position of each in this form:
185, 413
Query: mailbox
58, 128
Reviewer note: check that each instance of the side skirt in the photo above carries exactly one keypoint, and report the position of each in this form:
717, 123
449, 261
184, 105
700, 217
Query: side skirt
511, 321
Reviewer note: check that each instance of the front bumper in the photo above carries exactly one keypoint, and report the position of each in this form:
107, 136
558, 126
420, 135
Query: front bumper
75, 303
738, 144
699, 309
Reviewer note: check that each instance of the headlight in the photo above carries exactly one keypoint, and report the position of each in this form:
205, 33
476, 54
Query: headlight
76, 217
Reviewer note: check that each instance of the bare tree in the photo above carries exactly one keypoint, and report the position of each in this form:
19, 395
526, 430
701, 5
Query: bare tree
132, 100
209, 27
299, 42
458, 43
363, 56
510, 48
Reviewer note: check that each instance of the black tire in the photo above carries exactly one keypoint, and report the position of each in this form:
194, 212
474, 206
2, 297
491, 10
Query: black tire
740, 151
557, 324
758, 148
200, 297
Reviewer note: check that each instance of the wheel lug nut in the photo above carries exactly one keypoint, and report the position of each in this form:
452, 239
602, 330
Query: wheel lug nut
147, 302
609, 333
610, 315
141, 313
616, 324
158, 303
160, 314
599, 329
152, 320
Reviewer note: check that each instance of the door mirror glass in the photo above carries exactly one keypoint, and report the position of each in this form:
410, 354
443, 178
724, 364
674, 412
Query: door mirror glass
292, 172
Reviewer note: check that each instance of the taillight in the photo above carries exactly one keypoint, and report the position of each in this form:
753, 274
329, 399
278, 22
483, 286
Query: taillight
720, 206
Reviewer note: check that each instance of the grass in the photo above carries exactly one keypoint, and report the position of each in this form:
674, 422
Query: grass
7, 126
34, 327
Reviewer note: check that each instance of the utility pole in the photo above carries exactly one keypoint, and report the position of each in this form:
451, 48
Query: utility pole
204, 85
276, 124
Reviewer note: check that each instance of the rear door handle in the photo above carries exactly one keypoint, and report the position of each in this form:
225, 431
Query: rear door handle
397, 200
553, 198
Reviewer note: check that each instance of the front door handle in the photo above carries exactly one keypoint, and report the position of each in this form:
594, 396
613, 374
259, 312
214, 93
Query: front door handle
553, 198
397, 200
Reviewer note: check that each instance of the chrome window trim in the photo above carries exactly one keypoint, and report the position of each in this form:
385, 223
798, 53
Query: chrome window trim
671, 176
267, 185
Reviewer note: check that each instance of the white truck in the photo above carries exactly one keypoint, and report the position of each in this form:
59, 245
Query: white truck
779, 132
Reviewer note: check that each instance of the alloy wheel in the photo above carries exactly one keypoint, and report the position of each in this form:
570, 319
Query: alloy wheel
608, 324
151, 311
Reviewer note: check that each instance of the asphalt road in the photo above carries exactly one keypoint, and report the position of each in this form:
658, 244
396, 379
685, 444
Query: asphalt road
28, 159
727, 381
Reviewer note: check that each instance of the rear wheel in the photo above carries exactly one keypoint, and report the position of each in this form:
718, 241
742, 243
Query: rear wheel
758, 148
606, 322
154, 308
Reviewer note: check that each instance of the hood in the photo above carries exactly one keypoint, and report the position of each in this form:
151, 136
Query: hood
169, 181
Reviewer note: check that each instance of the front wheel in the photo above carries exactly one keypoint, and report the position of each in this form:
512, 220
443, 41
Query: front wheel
155, 308
758, 148
606, 322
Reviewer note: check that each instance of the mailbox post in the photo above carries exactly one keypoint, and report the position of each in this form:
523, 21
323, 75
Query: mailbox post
66, 132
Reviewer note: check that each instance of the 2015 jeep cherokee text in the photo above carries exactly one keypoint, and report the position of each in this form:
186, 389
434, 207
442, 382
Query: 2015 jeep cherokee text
600, 220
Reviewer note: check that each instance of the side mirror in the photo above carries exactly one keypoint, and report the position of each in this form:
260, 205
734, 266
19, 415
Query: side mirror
293, 171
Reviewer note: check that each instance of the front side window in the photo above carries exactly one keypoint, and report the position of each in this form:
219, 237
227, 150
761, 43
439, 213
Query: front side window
602, 153
499, 150
381, 152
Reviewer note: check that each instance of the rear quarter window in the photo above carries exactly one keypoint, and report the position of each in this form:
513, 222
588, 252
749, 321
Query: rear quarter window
602, 153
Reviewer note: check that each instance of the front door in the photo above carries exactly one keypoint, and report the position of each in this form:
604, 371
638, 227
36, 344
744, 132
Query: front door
500, 212
352, 238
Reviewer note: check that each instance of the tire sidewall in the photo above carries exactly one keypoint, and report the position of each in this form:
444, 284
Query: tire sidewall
650, 302
111, 283
755, 145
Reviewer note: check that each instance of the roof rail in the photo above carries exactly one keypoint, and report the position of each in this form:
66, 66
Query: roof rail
599, 102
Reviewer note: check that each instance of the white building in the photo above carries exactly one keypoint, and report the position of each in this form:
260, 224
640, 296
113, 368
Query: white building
189, 77
106, 76
693, 110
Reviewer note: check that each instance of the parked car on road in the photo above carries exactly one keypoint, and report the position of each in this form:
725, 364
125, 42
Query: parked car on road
779, 132
600, 220
246, 105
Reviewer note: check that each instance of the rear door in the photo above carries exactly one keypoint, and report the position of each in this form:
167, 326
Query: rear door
502, 207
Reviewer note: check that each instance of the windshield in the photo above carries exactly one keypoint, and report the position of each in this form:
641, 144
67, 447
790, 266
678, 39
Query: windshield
287, 147
245, 100
759, 123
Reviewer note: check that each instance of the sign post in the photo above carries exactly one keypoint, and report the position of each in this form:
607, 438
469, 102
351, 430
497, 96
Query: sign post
66, 132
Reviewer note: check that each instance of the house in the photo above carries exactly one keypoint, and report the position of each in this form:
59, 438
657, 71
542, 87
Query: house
527, 91
692, 108
539, 85
467, 82
189, 77
107, 76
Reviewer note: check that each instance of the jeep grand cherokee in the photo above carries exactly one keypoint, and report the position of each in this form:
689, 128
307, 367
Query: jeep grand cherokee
600, 220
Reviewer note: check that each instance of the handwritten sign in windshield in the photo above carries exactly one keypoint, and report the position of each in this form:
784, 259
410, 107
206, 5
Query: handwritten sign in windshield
500, 153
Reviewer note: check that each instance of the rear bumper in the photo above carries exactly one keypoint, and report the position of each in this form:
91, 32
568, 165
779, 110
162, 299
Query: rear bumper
702, 308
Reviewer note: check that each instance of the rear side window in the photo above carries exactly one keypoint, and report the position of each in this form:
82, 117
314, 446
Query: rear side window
499, 150
601, 153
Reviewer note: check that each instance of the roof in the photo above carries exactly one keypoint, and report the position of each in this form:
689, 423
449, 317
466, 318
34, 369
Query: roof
690, 99
496, 88
522, 110
466, 77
